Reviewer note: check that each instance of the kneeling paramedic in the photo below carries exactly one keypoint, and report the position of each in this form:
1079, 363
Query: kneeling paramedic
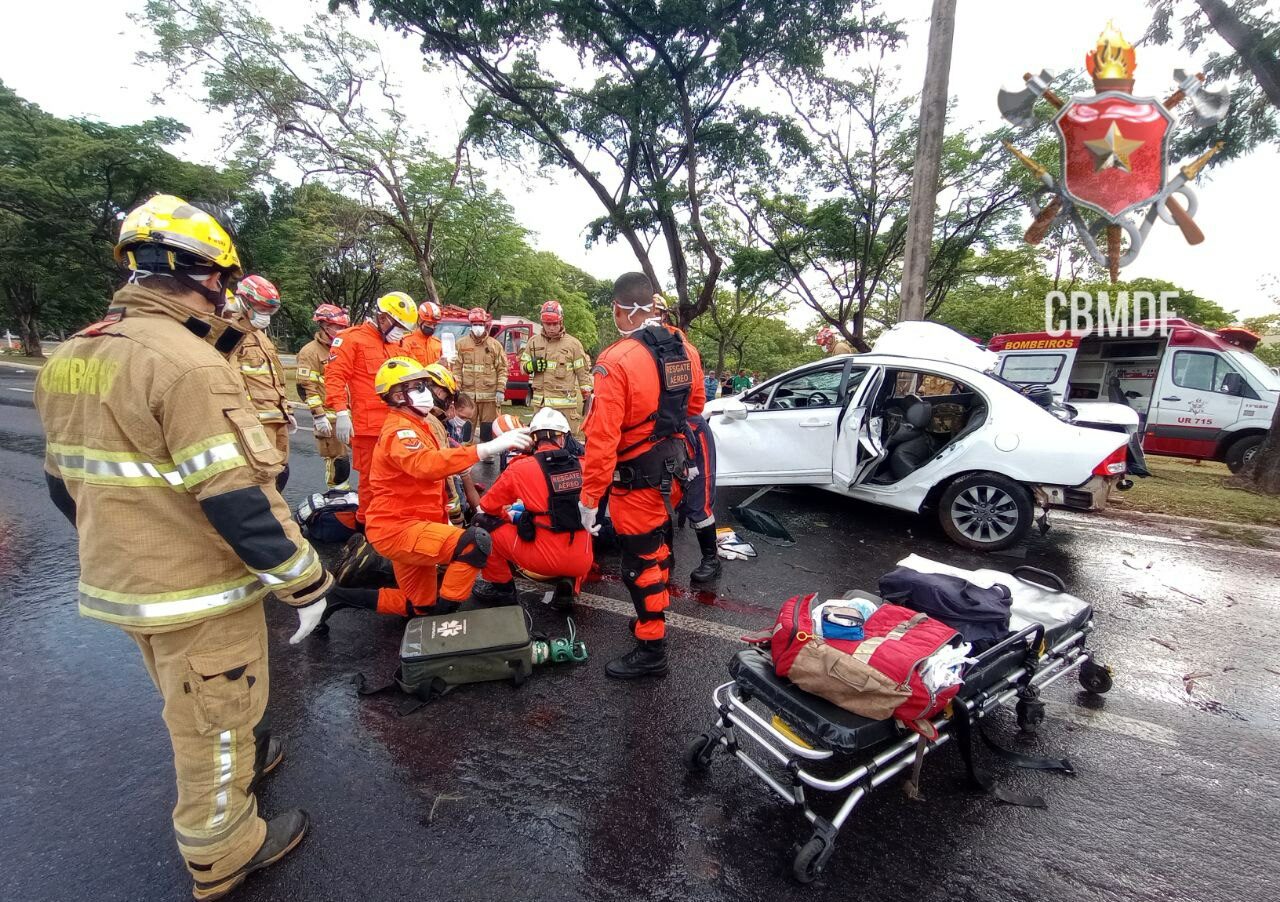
547, 541
647, 385
159, 461
407, 519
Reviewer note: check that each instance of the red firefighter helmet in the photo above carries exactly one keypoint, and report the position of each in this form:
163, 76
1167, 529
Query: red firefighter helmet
552, 312
259, 294
429, 313
331, 314
478, 316
824, 337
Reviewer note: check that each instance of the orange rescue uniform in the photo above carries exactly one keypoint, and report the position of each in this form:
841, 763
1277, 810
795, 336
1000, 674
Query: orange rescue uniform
407, 514
566, 554
627, 390
354, 358
423, 348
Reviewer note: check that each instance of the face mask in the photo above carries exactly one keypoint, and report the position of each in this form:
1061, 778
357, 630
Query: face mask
428, 330
421, 400
395, 333
479, 331
260, 320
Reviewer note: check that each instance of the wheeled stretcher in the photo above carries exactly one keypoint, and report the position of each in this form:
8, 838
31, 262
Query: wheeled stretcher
800, 745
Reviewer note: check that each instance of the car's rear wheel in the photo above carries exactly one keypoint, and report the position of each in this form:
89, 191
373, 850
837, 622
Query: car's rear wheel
1241, 452
985, 511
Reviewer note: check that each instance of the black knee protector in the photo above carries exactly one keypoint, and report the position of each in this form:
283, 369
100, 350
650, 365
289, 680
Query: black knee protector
474, 546
341, 470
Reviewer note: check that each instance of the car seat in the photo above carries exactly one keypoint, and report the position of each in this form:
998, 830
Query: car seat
910, 445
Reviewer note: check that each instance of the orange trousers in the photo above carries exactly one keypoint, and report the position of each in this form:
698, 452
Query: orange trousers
415, 551
550, 554
362, 462
641, 521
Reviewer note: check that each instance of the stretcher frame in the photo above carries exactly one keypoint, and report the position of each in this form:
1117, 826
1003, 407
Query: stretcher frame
871, 768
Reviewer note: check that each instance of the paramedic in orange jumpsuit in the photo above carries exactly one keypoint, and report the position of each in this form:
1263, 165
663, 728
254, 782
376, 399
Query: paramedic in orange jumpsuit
355, 356
408, 515
422, 344
551, 553
628, 394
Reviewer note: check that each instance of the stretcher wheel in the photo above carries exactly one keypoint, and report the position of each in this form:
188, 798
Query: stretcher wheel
1095, 678
810, 860
698, 752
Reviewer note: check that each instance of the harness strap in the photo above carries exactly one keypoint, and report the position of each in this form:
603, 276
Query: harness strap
964, 727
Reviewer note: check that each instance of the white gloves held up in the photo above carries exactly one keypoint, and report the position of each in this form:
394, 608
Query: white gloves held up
515, 440
343, 428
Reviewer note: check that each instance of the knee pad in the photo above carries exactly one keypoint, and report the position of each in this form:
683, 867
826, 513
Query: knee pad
473, 547
340, 470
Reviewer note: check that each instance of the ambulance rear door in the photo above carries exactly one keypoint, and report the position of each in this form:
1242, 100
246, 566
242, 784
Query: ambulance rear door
1039, 361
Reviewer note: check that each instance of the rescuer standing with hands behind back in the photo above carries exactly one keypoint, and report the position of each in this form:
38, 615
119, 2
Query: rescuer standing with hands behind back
646, 386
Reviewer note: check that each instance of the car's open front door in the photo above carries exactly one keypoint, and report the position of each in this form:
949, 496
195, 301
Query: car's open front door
858, 447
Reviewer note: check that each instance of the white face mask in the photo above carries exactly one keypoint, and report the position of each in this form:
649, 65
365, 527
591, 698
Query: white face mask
396, 333
259, 320
479, 331
421, 400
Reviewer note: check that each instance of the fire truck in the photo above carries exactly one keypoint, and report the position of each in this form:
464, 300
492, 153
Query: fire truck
511, 332
1198, 393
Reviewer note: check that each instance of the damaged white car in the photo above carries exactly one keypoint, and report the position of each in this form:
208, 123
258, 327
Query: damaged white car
918, 424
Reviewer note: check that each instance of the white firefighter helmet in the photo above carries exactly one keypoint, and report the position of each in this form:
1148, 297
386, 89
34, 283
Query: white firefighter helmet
549, 420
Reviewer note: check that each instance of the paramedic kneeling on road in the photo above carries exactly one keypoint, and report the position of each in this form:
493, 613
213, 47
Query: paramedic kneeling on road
646, 387
548, 540
407, 518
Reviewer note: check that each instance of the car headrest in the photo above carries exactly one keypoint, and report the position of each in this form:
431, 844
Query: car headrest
919, 412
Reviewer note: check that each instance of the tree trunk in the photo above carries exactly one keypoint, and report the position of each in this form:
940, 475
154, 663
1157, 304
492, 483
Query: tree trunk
29, 334
1247, 42
1263, 472
924, 178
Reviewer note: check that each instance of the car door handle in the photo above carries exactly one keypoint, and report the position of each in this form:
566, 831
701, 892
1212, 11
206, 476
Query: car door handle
1171, 398
814, 424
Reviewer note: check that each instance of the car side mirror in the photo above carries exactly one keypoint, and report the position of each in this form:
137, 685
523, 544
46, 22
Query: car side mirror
1232, 384
736, 412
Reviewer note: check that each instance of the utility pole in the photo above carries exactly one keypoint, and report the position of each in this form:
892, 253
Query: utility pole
924, 178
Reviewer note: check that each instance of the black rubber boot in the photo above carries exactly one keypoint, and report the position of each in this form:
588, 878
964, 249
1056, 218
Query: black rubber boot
648, 658
494, 594
709, 569
339, 598
267, 761
284, 832
562, 596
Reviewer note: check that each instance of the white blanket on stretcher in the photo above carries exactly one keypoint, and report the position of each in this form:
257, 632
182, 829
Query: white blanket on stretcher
1031, 602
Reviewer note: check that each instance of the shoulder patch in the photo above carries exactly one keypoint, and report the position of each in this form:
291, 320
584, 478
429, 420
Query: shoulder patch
406, 433
113, 316
336, 343
600, 370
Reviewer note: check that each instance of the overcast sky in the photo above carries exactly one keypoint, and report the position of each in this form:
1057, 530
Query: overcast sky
76, 57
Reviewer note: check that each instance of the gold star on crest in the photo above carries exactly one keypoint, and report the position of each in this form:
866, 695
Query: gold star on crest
1113, 150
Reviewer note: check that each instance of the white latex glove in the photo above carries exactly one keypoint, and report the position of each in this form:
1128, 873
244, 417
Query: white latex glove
499, 398
293, 423
308, 620
588, 515
343, 428
515, 440
323, 427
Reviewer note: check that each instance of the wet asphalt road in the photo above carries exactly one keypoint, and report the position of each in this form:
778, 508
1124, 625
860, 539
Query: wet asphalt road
571, 787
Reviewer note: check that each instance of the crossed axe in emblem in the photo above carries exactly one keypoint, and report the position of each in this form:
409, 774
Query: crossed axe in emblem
1208, 105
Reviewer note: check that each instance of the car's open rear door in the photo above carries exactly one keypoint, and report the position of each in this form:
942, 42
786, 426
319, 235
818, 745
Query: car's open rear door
858, 448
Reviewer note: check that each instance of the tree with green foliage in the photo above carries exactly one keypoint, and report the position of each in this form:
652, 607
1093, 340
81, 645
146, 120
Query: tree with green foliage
664, 120
63, 185
1251, 28
834, 234
323, 99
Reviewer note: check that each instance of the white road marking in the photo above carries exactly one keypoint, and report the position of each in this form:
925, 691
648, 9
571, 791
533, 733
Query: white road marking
25, 391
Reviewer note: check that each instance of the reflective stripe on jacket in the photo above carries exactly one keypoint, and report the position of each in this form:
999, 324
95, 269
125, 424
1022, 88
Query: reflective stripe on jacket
167, 469
567, 376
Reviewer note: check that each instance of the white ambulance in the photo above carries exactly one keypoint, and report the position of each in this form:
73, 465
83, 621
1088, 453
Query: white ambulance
1198, 393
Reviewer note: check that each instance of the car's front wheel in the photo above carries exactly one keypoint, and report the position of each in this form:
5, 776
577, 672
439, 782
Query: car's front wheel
985, 511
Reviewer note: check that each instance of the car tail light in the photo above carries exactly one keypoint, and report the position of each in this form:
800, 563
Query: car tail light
1113, 464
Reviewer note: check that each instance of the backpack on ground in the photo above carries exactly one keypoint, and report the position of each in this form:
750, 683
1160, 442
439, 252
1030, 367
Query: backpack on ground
328, 516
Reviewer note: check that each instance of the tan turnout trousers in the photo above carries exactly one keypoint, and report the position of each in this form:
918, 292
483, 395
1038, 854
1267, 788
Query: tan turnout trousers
213, 678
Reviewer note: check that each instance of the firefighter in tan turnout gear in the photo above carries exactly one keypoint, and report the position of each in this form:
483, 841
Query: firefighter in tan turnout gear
558, 367
156, 457
310, 381
480, 366
250, 310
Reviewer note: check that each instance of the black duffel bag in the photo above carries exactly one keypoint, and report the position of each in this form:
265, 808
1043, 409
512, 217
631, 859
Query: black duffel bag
980, 616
